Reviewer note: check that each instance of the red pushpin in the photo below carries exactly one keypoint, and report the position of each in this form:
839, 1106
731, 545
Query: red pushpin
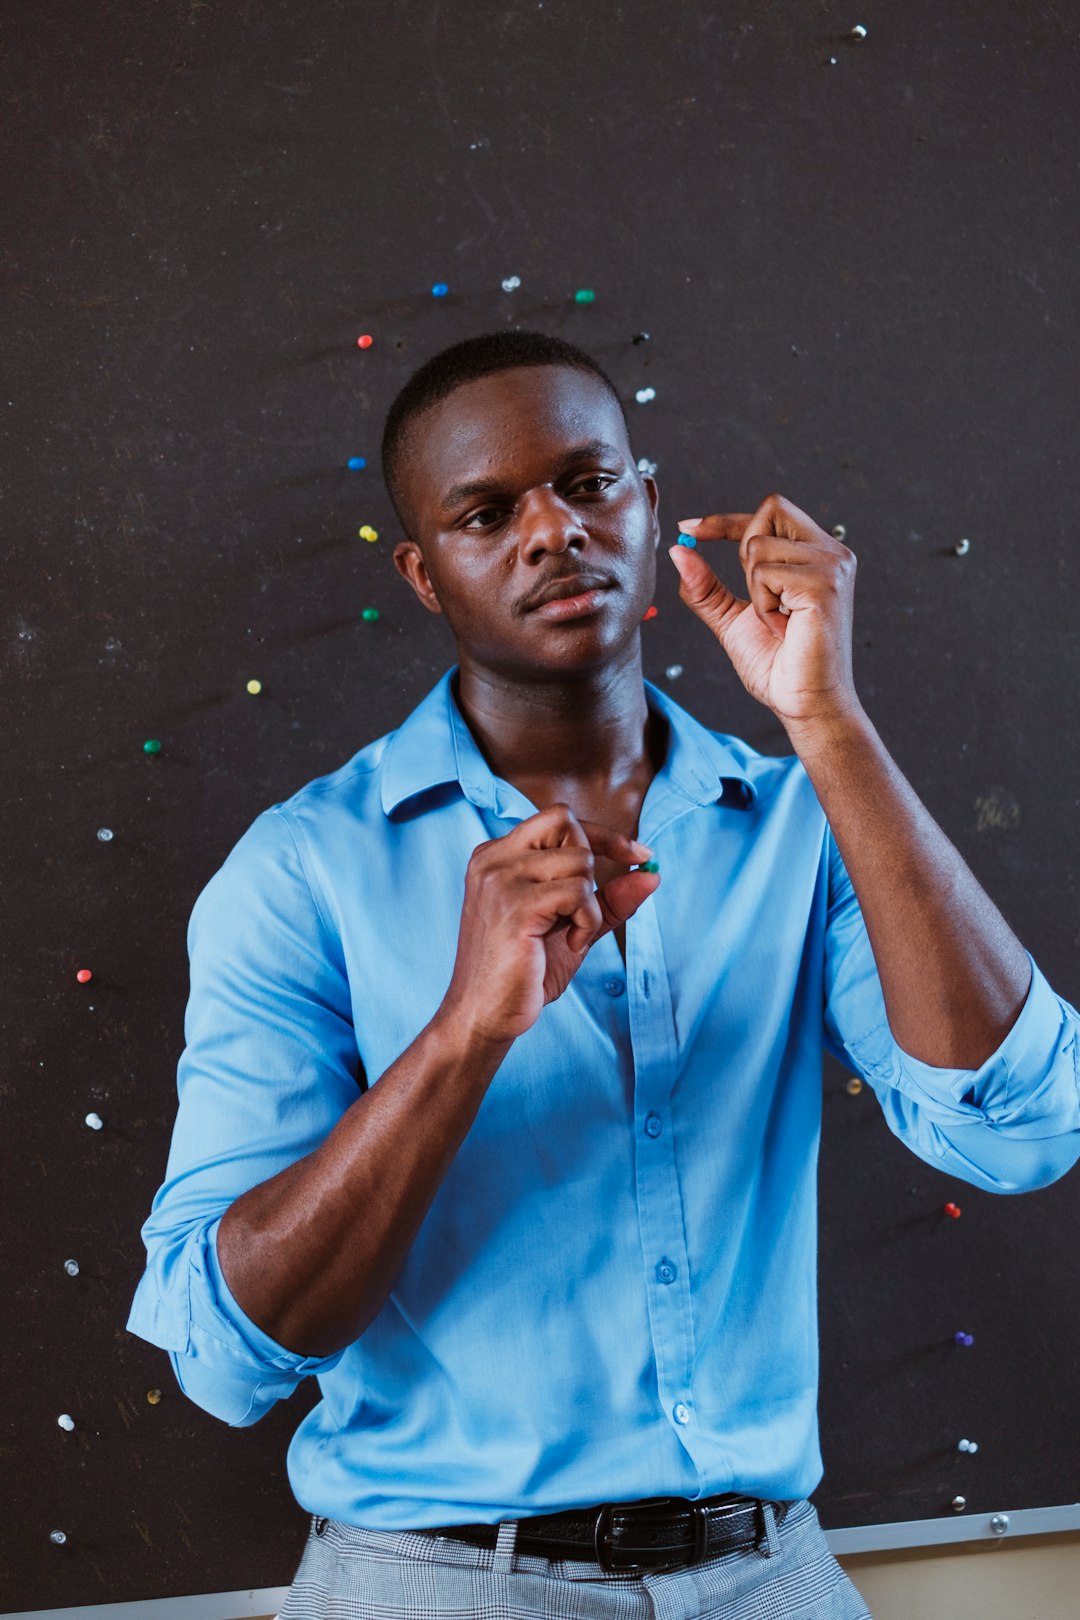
650, 613
953, 1211
365, 341
84, 975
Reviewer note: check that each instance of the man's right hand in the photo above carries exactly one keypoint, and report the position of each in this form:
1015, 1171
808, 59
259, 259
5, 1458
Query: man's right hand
530, 916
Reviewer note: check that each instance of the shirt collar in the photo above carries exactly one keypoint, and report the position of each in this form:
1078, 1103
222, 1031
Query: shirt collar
434, 746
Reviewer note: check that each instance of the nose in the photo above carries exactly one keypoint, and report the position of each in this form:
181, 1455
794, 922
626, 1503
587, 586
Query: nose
547, 523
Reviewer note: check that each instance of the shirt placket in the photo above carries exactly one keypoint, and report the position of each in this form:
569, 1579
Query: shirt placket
659, 1196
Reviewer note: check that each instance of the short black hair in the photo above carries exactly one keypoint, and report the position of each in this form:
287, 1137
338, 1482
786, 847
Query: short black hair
461, 363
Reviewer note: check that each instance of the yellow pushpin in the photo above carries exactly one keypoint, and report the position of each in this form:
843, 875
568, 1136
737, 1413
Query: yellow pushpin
368, 533
254, 687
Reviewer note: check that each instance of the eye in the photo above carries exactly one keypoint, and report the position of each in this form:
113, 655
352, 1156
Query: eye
603, 479
484, 512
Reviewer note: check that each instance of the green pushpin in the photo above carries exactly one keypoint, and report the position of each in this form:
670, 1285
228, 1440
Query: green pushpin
152, 747
584, 295
649, 866
370, 614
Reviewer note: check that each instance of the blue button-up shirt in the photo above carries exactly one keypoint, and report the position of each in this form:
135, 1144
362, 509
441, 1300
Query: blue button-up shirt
612, 1295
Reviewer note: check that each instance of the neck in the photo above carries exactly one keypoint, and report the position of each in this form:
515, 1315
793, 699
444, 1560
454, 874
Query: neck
593, 728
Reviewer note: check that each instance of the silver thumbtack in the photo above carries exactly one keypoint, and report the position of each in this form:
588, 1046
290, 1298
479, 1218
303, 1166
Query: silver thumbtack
999, 1524
962, 547
71, 1267
959, 1503
57, 1537
838, 531
105, 834
858, 32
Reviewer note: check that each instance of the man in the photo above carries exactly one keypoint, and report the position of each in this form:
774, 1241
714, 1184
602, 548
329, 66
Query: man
510, 1138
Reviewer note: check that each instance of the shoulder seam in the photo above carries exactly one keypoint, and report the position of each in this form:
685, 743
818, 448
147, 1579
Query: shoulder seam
319, 909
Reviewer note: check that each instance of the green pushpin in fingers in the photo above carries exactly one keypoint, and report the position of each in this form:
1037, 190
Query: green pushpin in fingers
649, 866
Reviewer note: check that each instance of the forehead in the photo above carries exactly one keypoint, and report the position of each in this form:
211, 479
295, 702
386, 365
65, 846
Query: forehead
512, 425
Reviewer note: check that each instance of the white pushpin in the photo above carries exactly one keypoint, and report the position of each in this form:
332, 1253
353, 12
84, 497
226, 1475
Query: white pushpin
66, 1421
858, 32
962, 547
95, 1122
511, 284
673, 671
646, 466
643, 395
968, 1445
57, 1537
71, 1267
105, 834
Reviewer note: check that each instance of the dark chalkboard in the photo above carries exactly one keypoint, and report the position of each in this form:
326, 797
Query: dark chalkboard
856, 263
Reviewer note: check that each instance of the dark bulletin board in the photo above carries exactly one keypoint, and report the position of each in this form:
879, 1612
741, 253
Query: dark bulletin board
856, 263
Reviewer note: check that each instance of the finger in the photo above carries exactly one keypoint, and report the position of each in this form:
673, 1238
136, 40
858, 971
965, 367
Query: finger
552, 865
616, 846
776, 515
704, 594
558, 825
621, 897
720, 526
572, 905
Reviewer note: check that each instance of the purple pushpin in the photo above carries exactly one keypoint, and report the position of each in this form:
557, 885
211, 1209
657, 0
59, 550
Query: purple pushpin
963, 1338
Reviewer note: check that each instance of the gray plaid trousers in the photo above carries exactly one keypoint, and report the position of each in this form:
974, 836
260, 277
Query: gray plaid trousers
348, 1573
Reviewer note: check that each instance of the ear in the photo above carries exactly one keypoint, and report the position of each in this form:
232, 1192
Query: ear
653, 492
409, 562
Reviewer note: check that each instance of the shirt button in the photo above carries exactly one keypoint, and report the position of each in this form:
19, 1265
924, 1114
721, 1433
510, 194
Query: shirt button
682, 1413
653, 1127
614, 987
667, 1271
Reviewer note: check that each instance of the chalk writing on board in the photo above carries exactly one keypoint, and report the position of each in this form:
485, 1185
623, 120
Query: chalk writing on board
996, 810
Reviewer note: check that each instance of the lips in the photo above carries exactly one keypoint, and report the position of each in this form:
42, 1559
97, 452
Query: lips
566, 586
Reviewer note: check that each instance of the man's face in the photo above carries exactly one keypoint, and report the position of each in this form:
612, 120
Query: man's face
523, 484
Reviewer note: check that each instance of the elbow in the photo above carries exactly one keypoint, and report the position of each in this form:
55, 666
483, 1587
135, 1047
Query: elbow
231, 1398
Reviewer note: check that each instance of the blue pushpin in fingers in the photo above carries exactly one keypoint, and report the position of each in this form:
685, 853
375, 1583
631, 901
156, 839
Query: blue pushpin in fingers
686, 540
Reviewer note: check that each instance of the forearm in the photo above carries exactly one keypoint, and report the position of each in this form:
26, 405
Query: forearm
953, 974
311, 1255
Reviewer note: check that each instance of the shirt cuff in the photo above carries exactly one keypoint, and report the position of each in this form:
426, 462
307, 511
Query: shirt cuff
213, 1303
1040, 1048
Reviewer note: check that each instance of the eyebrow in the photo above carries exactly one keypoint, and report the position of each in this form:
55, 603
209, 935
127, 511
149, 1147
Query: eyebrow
591, 450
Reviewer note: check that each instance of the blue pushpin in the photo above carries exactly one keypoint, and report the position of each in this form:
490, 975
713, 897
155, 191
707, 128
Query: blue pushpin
686, 540
439, 290
356, 462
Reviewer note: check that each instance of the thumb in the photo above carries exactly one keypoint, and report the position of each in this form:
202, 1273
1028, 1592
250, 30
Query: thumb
621, 897
703, 593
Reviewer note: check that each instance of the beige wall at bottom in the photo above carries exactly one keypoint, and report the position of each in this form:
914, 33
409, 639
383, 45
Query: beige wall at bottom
1029, 1578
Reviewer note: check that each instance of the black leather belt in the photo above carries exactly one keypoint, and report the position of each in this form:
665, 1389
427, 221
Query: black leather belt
646, 1534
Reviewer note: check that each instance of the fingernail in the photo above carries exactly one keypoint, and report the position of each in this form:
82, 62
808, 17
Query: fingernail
689, 523
645, 849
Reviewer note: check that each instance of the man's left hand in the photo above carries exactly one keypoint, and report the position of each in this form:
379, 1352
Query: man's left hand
791, 642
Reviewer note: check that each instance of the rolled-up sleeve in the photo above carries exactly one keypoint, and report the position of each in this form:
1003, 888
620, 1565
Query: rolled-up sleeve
1012, 1124
269, 1066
